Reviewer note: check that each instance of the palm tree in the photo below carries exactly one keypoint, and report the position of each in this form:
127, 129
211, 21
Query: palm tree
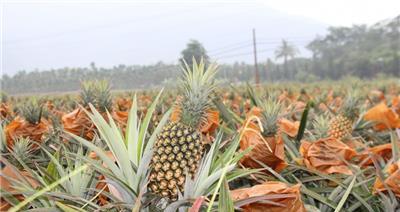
285, 51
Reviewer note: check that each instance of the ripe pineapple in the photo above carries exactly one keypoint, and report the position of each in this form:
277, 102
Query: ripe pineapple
179, 148
341, 126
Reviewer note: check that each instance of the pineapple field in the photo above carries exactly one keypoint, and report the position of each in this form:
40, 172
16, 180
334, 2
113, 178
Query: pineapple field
329, 146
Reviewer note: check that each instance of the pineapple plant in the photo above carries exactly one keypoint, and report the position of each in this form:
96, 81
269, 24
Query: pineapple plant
87, 94
96, 93
179, 148
341, 126
23, 151
29, 124
266, 142
5, 111
271, 110
321, 126
112, 170
32, 112
103, 96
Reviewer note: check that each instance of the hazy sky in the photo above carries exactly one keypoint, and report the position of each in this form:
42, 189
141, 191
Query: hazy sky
340, 12
55, 34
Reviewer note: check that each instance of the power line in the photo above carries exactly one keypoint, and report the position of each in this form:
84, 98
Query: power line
296, 44
229, 46
231, 49
290, 38
280, 41
225, 55
260, 40
245, 53
235, 55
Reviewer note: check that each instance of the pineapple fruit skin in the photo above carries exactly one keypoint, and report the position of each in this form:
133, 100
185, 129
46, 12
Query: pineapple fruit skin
177, 152
340, 127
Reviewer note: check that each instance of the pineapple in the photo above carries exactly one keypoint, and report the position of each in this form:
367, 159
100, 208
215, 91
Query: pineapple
103, 96
22, 151
29, 124
265, 148
32, 112
321, 126
179, 148
96, 93
341, 126
271, 110
87, 94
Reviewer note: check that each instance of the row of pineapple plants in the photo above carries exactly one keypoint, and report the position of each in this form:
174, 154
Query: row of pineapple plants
249, 148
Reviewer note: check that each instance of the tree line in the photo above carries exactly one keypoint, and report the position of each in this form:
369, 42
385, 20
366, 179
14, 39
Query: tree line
360, 50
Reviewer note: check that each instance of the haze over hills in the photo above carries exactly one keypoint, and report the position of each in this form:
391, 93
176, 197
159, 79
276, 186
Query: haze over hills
54, 36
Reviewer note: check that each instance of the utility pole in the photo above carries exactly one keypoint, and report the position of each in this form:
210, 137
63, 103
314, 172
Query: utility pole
257, 74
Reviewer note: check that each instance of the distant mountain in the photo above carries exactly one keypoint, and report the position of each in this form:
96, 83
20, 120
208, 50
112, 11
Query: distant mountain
57, 36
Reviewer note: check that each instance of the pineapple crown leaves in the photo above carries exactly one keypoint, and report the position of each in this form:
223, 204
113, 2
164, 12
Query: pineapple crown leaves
87, 93
255, 100
22, 154
271, 110
321, 126
350, 105
97, 93
4, 97
197, 85
22, 145
22, 150
104, 99
32, 111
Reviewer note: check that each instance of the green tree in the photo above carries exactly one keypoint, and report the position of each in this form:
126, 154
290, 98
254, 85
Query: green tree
394, 35
360, 50
194, 49
285, 51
